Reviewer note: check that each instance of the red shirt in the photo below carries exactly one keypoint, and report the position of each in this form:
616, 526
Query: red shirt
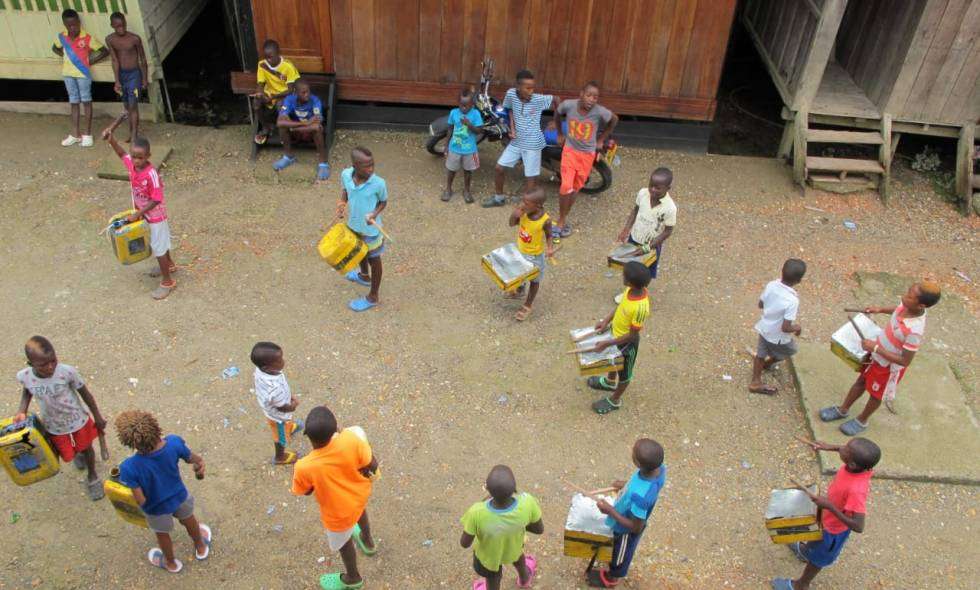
849, 493
146, 187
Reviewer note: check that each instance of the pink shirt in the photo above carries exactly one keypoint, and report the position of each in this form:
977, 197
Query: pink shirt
147, 187
849, 493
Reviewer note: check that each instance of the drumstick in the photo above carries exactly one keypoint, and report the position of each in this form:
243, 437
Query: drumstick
383, 232
854, 310
805, 441
580, 489
584, 335
856, 329
103, 447
604, 490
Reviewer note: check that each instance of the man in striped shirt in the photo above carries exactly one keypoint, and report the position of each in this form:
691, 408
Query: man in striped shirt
526, 137
891, 354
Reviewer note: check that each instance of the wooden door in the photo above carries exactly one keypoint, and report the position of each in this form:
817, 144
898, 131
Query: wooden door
302, 28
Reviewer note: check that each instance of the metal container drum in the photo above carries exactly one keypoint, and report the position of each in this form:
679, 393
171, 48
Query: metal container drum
792, 517
508, 268
624, 253
846, 343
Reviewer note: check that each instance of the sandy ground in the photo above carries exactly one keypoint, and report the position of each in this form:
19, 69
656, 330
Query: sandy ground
445, 382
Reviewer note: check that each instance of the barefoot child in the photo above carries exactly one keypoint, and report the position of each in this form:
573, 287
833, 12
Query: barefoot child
628, 518
363, 198
461, 150
653, 218
275, 398
57, 388
498, 526
129, 68
337, 472
153, 473
79, 51
534, 241
275, 76
842, 510
779, 304
147, 191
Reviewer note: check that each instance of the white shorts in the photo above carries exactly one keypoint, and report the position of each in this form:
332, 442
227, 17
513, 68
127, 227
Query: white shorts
338, 540
159, 238
531, 158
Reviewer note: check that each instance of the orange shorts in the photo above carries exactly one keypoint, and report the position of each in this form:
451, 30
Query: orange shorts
881, 381
282, 432
575, 169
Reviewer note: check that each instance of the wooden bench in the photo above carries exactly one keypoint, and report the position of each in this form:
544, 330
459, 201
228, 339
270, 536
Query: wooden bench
323, 86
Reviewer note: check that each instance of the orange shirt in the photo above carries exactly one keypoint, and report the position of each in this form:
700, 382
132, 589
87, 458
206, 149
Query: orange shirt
332, 473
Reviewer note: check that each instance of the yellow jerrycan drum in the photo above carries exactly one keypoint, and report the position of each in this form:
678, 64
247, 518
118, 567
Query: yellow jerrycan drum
130, 241
24, 451
342, 248
122, 500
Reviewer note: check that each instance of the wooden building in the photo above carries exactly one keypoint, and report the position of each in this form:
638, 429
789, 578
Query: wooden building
659, 58
872, 70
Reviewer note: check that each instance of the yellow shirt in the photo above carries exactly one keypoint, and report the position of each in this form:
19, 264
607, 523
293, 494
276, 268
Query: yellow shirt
75, 62
285, 74
530, 234
630, 313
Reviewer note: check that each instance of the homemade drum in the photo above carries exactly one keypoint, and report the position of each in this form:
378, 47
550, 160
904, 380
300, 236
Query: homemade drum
624, 253
792, 517
508, 267
122, 500
596, 363
24, 451
342, 249
846, 343
586, 533
130, 241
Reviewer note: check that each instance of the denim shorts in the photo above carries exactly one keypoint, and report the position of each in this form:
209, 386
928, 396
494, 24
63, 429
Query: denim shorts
539, 261
531, 158
79, 89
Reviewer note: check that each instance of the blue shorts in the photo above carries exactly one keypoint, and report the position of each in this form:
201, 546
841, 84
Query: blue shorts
513, 154
538, 261
375, 244
79, 89
825, 551
132, 84
624, 547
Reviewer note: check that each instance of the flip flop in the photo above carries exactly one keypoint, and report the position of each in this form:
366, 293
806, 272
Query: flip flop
600, 383
162, 291
604, 406
852, 427
782, 584
446, 195
764, 390
468, 197
283, 162
156, 274
335, 582
155, 556
360, 542
480, 584
355, 277
96, 491
361, 304
532, 568
288, 460
322, 171
566, 230
206, 536
493, 201
597, 579
832, 413
522, 313
79, 462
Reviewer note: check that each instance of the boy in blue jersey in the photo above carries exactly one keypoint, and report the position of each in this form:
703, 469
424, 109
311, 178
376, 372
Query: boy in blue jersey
628, 518
301, 118
461, 150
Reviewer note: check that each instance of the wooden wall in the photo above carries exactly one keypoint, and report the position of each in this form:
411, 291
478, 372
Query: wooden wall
784, 32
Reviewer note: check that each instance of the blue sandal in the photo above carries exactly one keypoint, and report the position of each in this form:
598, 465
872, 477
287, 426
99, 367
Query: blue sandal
361, 304
322, 171
283, 162
354, 276
782, 584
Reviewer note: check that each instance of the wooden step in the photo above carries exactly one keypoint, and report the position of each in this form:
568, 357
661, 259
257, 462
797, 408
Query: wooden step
834, 136
843, 165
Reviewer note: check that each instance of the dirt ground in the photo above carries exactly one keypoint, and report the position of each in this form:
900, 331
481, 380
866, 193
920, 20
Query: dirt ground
443, 379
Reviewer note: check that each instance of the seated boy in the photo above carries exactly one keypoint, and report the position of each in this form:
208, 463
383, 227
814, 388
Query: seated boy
275, 76
129, 67
301, 118
275, 398
498, 527
779, 304
653, 218
79, 51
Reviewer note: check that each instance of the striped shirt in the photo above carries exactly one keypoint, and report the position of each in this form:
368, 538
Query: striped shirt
527, 118
900, 334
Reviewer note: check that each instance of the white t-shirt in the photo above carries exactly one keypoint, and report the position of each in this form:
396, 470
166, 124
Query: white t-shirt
779, 303
62, 411
273, 392
651, 221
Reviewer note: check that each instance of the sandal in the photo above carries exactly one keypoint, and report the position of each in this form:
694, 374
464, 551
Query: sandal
853, 427
289, 459
155, 556
446, 195
494, 201
764, 390
532, 568
322, 171
782, 584
334, 581
362, 304
354, 276
206, 536
283, 163
156, 274
522, 313
480, 584
600, 383
468, 197
163, 290
361, 544
831, 414
96, 491
597, 579
605, 405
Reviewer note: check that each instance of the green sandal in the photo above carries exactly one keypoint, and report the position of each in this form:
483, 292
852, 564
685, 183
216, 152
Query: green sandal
360, 542
335, 582
605, 405
601, 384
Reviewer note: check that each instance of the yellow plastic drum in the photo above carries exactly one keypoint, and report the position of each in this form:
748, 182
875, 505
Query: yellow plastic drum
130, 241
25, 453
123, 501
342, 249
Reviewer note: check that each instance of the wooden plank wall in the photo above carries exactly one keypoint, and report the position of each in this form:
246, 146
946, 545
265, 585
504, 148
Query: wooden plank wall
297, 25
783, 32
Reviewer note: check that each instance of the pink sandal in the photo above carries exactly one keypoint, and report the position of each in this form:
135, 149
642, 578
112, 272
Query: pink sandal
532, 568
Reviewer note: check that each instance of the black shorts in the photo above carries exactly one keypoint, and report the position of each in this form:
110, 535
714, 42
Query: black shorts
482, 571
629, 361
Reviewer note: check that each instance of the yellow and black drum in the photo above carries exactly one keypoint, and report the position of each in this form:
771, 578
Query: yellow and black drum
342, 249
508, 268
792, 517
25, 453
130, 241
122, 500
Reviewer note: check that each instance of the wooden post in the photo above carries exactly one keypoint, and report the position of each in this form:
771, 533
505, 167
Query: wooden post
799, 147
818, 54
786, 143
885, 156
964, 167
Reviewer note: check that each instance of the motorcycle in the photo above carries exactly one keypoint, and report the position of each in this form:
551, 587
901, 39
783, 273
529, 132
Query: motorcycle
496, 127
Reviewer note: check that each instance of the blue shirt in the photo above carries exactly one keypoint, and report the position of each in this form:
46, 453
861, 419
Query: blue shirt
527, 118
301, 111
638, 498
463, 141
363, 199
158, 475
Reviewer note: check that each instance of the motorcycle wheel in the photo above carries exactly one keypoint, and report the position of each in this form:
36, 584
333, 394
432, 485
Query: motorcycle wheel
600, 179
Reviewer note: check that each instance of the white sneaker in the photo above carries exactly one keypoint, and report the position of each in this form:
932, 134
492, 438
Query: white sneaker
70, 140
87, 141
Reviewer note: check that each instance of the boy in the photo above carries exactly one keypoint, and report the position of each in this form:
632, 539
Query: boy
628, 518
779, 304
584, 117
526, 138
461, 150
76, 46
57, 388
842, 510
276, 76
891, 354
626, 321
275, 398
147, 189
153, 473
301, 118
498, 526
129, 68
653, 218
363, 198
338, 471
533, 232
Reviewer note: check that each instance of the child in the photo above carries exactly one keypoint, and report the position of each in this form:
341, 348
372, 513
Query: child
534, 230
275, 76
842, 510
498, 526
363, 198
76, 46
57, 387
129, 68
779, 304
338, 473
526, 138
301, 118
628, 518
461, 150
626, 321
891, 354
275, 398
653, 218
147, 191
153, 473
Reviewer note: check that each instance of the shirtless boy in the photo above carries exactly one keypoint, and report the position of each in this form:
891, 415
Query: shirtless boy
129, 67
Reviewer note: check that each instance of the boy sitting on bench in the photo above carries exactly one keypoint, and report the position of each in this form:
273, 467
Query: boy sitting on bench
301, 118
276, 76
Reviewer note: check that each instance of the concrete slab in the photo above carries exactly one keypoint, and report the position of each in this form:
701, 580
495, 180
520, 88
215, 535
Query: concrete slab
111, 167
934, 437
